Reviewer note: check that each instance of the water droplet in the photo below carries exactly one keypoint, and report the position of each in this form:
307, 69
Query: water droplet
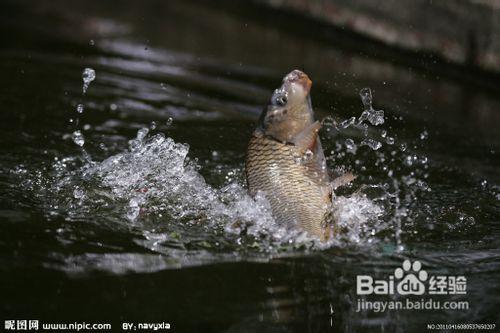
366, 97
364, 127
141, 134
346, 123
113, 107
88, 76
308, 155
424, 135
78, 193
169, 121
134, 209
78, 138
390, 140
152, 126
373, 144
79, 108
383, 133
403, 147
363, 117
350, 145
91, 42
134, 144
375, 117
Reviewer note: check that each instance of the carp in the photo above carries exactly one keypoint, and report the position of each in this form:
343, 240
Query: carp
286, 162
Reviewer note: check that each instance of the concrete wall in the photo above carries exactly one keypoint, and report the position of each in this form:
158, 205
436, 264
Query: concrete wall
463, 31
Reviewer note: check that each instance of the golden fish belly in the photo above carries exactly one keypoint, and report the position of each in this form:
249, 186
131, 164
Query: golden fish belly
298, 191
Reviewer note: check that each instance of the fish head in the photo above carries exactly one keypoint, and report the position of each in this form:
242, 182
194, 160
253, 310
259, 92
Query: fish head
289, 111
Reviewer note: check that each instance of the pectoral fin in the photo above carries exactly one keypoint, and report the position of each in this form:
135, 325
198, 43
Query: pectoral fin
306, 140
345, 179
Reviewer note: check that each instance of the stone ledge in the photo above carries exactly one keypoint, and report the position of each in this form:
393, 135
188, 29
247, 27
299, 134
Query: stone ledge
464, 32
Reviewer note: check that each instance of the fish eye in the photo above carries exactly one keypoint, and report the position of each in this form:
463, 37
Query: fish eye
281, 100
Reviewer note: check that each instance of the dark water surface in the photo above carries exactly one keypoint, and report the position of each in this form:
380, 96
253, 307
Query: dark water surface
152, 227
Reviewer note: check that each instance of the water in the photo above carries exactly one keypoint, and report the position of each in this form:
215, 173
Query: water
88, 76
78, 138
135, 208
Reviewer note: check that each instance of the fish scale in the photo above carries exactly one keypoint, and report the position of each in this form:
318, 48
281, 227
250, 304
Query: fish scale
298, 192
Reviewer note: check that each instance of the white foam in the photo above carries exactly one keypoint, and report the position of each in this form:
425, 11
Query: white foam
156, 177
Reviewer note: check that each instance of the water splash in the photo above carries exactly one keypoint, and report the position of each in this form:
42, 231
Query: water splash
369, 117
157, 188
350, 145
359, 218
80, 108
88, 76
157, 178
78, 138
373, 144
402, 178
375, 117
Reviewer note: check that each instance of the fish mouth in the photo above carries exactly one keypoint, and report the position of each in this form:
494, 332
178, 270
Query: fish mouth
297, 76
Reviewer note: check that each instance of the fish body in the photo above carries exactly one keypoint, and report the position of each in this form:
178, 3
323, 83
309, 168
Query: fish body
297, 188
285, 160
